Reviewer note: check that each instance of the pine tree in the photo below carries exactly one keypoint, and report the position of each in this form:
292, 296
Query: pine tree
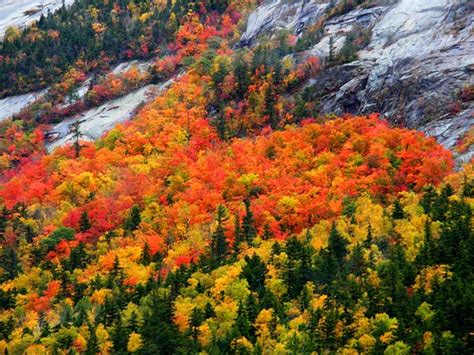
331, 49
92, 342
132, 325
75, 130
197, 317
270, 102
238, 237
221, 125
159, 332
332, 258
78, 257
119, 336
134, 219
145, 257
3, 222
209, 311
337, 244
84, 222
248, 224
426, 256
242, 325
242, 77
398, 212
254, 272
10, 263
219, 246
80, 313
267, 232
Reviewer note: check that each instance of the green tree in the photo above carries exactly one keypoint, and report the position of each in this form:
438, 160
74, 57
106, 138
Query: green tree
84, 222
219, 245
397, 212
159, 333
133, 220
145, 257
249, 232
119, 336
92, 342
254, 272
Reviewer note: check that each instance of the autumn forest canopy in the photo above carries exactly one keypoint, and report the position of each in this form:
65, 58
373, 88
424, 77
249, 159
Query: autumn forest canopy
229, 216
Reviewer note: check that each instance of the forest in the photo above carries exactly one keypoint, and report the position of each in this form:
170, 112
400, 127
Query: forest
229, 216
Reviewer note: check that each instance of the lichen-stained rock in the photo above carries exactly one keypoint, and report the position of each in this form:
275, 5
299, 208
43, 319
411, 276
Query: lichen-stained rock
420, 55
98, 120
20, 13
340, 26
292, 15
12, 105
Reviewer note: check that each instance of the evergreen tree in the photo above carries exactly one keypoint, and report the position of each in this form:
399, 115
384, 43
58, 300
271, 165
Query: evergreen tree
254, 272
84, 222
332, 258
197, 317
428, 199
75, 130
238, 236
242, 325
219, 246
92, 342
132, 325
159, 333
78, 257
133, 220
242, 77
398, 210
119, 336
145, 257
249, 231
3, 222
10, 263
209, 311
270, 103
331, 50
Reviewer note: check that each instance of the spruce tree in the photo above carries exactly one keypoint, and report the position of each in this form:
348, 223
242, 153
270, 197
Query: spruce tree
159, 332
119, 336
248, 224
84, 222
398, 210
145, 257
242, 325
78, 257
197, 317
238, 236
254, 272
219, 246
134, 219
92, 342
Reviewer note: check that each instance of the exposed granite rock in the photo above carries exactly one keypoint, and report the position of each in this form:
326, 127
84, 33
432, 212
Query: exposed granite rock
289, 14
420, 55
20, 13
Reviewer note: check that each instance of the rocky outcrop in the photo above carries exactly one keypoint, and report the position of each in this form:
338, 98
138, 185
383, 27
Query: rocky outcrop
95, 122
20, 13
339, 27
279, 14
12, 105
421, 53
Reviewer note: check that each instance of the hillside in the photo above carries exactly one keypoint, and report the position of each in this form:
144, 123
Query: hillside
237, 177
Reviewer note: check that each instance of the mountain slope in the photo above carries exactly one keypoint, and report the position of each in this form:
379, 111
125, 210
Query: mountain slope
229, 213
419, 59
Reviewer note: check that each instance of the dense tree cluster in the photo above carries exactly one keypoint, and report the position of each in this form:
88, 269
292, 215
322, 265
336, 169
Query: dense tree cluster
95, 32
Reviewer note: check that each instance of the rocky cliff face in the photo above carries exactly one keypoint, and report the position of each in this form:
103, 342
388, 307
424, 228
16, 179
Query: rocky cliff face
20, 13
420, 55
